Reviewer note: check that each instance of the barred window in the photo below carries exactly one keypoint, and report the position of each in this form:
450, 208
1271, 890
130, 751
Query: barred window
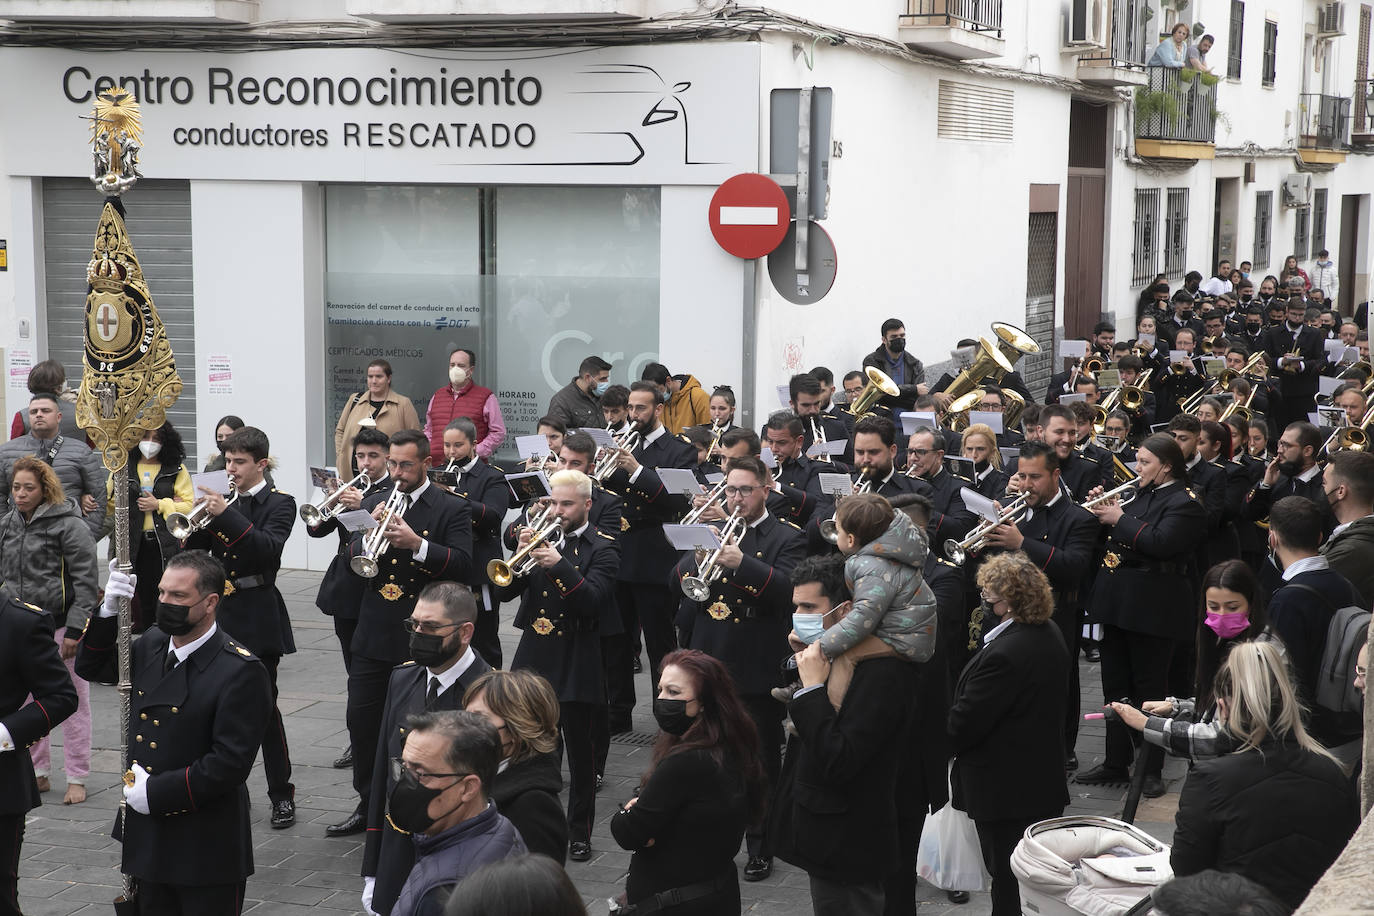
1318, 219
1146, 253
1264, 206
1176, 233
1304, 215
1235, 39
1269, 68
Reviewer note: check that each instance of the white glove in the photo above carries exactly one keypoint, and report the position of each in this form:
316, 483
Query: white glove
136, 795
369, 885
6, 742
121, 585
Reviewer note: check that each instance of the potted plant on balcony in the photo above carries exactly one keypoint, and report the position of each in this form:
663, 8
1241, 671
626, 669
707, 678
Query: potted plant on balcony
1151, 104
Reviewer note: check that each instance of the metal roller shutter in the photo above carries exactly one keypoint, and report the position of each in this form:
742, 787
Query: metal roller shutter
159, 222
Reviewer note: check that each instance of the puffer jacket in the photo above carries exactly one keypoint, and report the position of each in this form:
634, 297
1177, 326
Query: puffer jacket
891, 598
690, 406
1351, 553
49, 561
444, 860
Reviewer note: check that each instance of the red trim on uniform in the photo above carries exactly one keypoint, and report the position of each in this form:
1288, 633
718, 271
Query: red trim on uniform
1137, 534
39, 703
1046, 564
649, 498
189, 797
240, 537
574, 588
766, 581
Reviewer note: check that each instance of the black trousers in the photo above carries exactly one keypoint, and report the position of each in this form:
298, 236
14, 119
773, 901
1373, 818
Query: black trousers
343, 629
182, 900
767, 714
276, 758
148, 568
601, 736
366, 704
998, 839
11, 839
650, 607
1070, 623
575, 723
1135, 667
486, 635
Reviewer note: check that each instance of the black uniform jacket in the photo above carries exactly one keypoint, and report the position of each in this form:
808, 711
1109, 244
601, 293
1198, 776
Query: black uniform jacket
896, 484
745, 621
390, 595
248, 538
1059, 539
646, 556
488, 497
800, 489
561, 612
604, 515
388, 853
951, 518
1309, 342
341, 589
36, 695
1146, 583
196, 729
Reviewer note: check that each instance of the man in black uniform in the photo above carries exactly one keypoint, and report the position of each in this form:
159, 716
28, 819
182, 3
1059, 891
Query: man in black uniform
341, 590
36, 695
797, 489
745, 618
430, 540
806, 395
875, 451
1296, 356
488, 497
565, 600
248, 538
1059, 536
1078, 472
1292, 471
1131, 368
926, 455
200, 705
444, 666
646, 556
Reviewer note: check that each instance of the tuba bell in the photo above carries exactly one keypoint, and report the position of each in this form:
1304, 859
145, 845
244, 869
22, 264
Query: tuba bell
1014, 342
955, 416
988, 361
878, 385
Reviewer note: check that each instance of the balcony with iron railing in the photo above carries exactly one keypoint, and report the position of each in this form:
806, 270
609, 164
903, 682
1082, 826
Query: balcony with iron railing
961, 29
1176, 114
1323, 127
1120, 57
1362, 120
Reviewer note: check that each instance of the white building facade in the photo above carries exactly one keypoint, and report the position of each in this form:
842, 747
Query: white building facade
329, 182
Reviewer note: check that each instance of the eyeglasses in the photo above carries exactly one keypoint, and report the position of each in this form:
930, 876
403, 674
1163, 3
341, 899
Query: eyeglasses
399, 766
919, 452
745, 491
1361, 670
424, 626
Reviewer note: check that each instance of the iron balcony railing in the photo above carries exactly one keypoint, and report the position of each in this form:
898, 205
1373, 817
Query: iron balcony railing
1324, 121
1176, 105
1129, 44
974, 15
1362, 124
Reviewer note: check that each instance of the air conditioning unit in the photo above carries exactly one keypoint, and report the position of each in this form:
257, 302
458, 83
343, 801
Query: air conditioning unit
1085, 25
1297, 190
1331, 19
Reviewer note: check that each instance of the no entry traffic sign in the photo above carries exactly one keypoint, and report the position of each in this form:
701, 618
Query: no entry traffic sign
749, 215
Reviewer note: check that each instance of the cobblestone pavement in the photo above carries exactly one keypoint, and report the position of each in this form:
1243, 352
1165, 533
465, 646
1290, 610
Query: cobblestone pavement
71, 865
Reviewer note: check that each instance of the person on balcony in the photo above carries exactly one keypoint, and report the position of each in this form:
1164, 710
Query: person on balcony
1172, 51
1197, 54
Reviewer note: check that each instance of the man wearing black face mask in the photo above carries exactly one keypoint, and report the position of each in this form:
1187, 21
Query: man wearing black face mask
1184, 306
1297, 356
201, 703
892, 358
444, 666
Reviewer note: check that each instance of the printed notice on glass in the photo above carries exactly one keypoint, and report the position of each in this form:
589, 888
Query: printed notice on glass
219, 374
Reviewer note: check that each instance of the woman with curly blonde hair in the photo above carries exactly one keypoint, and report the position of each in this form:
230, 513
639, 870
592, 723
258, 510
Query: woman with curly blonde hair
1006, 720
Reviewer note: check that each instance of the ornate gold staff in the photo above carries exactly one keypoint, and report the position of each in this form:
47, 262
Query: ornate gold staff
130, 377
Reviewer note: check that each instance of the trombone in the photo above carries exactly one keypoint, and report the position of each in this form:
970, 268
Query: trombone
316, 513
604, 463
959, 552
716, 432
1350, 438
818, 437
698, 587
374, 542
864, 485
1238, 409
1125, 493
182, 525
1193, 401
548, 531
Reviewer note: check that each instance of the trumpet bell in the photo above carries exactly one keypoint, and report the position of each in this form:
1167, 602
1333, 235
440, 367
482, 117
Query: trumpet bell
829, 531
179, 526
499, 572
695, 588
311, 515
364, 566
955, 553
878, 385
1132, 397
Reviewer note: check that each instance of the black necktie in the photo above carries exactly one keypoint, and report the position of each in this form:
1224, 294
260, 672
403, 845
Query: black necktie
432, 697
170, 663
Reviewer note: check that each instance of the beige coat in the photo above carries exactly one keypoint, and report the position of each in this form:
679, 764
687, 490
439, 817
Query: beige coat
398, 413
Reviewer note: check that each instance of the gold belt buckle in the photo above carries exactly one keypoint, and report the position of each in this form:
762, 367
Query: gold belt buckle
1112, 560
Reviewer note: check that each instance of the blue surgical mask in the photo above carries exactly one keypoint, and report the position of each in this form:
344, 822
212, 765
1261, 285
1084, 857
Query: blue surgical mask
600, 388
664, 395
808, 627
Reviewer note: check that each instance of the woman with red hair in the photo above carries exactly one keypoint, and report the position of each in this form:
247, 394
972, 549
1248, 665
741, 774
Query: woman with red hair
704, 785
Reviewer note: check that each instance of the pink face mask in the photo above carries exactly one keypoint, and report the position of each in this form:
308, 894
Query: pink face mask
1227, 625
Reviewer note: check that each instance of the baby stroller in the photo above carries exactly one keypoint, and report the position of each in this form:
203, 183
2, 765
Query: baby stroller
1088, 866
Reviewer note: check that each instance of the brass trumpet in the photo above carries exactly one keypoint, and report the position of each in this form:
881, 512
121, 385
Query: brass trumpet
375, 543
864, 485
604, 462
182, 525
715, 494
958, 552
1124, 493
698, 587
878, 385
548, 530
327, 508
818, 437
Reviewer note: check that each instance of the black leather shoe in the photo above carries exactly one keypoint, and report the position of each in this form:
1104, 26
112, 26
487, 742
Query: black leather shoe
354, 823
1103, 775
757, 868
579, 850
1153, 788
1071, 762
345, 761
957, 896
1092, 655
284, 814
637, 666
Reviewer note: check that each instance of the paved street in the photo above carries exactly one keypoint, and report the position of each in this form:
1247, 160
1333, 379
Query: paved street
70, 863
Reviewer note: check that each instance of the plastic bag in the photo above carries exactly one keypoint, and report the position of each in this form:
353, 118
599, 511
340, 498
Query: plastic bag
949, 856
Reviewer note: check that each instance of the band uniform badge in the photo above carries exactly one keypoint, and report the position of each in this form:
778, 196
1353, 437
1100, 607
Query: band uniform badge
228, 588
719, 610
542, 625
624, 524
391, 591
1112, 560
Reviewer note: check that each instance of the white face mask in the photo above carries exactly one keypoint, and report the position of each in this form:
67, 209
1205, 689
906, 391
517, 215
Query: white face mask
150, 449
457, 375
